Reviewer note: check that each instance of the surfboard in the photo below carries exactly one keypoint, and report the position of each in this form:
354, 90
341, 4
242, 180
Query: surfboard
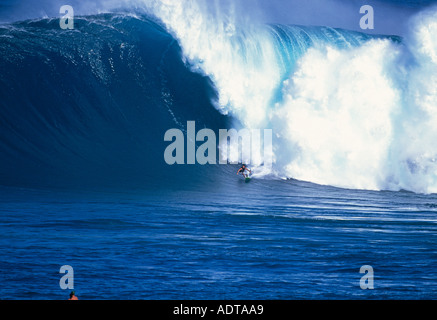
247, 179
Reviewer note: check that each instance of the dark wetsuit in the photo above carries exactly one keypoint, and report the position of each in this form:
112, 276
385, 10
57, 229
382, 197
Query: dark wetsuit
242, 170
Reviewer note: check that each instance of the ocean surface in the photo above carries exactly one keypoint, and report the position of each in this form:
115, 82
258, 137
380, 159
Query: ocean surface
84, 182
292, 240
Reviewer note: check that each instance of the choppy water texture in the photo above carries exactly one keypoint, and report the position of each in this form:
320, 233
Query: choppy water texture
291, 241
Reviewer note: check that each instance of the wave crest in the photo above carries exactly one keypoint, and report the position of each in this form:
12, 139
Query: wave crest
347, 109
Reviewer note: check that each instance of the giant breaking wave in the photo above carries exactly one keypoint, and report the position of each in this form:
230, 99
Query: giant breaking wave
347, 109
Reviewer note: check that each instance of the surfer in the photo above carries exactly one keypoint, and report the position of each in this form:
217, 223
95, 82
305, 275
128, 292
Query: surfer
243, 169
73, 296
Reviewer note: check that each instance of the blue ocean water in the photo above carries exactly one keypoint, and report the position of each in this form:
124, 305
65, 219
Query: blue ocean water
292, 241
84, 183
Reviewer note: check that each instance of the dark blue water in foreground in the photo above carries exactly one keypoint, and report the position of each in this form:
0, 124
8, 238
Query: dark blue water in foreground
294, 241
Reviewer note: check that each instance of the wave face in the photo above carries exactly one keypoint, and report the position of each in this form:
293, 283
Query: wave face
92, 104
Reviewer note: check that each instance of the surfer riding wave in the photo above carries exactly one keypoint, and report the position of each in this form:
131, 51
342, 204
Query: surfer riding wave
243, 169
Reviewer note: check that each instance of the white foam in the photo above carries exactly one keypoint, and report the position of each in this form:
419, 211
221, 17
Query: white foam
362, 117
